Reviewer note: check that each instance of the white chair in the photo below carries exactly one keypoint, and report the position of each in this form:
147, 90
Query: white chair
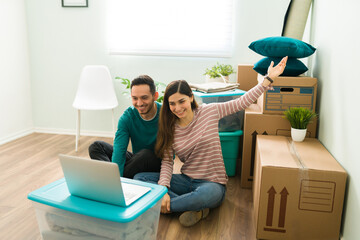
95, 92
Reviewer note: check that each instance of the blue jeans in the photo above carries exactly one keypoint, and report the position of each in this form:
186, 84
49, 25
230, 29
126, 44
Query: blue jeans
187, 194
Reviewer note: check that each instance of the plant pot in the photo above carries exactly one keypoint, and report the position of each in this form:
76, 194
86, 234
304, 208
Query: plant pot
218, 79
298, 135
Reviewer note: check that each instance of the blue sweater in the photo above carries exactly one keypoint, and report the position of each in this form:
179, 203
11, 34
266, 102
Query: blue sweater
141, 132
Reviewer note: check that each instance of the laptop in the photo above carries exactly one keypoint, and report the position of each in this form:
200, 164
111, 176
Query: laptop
99, 181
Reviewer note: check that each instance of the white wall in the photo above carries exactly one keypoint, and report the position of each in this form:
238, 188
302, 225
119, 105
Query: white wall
63, 40
15, 99
336, 34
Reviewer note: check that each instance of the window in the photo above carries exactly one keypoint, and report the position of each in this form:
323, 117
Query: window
170, 27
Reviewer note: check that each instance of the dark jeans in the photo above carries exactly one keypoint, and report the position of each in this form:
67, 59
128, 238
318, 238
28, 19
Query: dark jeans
188, 194
143, 161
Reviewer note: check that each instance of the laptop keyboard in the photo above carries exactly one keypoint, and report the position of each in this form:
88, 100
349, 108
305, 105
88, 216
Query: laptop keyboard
132, 192
128, 192
128, 195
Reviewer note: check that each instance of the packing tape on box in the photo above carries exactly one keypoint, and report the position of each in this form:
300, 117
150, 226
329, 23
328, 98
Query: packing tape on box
303, 173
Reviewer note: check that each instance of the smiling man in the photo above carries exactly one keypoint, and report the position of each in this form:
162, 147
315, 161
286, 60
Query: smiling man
139, 123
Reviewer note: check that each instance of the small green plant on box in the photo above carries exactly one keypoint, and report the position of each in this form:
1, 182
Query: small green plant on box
299, 117
160, 87
218, 70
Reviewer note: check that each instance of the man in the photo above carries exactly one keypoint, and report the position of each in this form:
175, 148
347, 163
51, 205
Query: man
138, 123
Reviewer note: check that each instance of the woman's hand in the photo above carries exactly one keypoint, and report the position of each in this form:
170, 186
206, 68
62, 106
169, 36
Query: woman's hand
165, 204
276, 71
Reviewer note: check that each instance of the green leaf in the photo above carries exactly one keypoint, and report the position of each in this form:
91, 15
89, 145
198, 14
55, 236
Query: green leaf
160, 99
160, 87
216, 70
299, 117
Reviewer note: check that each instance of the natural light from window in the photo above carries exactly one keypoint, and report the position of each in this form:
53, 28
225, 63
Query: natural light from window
201, 28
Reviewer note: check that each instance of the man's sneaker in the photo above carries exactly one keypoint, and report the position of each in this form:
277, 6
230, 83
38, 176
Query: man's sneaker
190, 218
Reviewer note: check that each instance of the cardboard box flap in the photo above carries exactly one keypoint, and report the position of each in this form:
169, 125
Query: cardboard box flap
280, 157
309, 154
253, 108
315, 156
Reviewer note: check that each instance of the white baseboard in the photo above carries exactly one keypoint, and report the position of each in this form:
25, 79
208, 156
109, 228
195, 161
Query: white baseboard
14, 136
72, 132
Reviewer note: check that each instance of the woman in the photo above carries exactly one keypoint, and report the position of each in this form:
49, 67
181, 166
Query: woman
192, 133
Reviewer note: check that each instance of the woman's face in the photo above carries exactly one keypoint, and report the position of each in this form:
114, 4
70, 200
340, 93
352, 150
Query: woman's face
180, 104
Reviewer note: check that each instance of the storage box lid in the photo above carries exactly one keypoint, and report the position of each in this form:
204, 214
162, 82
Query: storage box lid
307, 155
235, 92
57, 195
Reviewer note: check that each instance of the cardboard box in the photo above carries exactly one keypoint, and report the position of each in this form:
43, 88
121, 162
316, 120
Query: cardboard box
246, 76
299, 190
288, 92
256, 123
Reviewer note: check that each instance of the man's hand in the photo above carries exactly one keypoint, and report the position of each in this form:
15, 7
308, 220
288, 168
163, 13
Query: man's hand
165, 204
276, 71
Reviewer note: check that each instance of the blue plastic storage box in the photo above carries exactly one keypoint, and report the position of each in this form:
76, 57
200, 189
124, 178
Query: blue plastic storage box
230, 146
232, 122
63, 216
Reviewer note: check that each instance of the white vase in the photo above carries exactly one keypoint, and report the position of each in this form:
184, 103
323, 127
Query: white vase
298, 135
218, 79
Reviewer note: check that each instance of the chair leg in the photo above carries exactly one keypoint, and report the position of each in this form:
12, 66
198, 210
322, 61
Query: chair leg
77, 130
114, 126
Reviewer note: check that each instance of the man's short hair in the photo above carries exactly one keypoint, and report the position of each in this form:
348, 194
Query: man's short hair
144, 79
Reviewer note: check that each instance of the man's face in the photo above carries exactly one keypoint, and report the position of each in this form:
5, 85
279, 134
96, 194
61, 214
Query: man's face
142, 99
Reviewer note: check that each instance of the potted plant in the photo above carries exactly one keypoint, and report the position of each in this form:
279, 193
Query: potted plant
160, 87
219, 73
299, 118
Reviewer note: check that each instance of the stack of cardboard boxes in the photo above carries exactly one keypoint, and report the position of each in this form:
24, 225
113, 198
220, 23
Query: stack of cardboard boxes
298, 187
266, 116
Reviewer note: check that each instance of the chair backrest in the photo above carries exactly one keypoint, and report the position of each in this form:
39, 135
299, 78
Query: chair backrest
96, 89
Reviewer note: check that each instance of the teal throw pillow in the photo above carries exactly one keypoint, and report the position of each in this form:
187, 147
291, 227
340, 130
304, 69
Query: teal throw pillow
294, 67
281, 47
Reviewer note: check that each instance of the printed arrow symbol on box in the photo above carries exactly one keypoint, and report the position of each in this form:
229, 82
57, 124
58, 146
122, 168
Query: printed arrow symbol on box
270, 209
252, 159
284, 194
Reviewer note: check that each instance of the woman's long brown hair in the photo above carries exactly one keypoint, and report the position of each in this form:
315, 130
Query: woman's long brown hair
165, 137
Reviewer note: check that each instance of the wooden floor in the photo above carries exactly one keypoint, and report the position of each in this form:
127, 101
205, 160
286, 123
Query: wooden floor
31, 162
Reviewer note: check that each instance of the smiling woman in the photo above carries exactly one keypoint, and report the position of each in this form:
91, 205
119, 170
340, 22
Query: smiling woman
180, 105
162, 27
192, 133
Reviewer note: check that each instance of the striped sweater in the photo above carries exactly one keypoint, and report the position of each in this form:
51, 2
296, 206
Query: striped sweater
198, 144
